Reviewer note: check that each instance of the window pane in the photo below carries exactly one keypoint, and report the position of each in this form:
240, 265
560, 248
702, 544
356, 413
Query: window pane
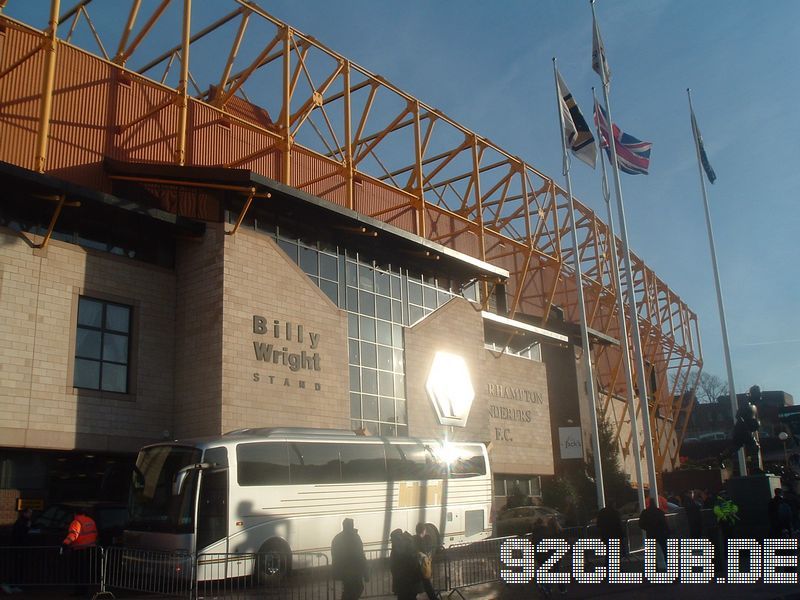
87, 374
365, 278
385, 358
351, 269
398, 360
469, 462
354, 354
397, 311
115, 347
414, 293
328, 267
397, 336
369, 382
384, 332
352, 325
308, 261
90, 312
412, 462
290, 248
388, 430
87, 343
314, 463
367, 326
430, 297
370, 407
400, 409
115, 378
382, 283
331, 290
444, 297
399, 385
383, 307
396, 281
366, 303
355, 406
352, 299
355, 379
263, 463
386, 406
362, 462
415, 313
118, 318
402, 430
385, 385
369, 355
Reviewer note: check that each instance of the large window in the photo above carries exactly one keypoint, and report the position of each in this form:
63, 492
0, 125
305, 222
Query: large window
102, 346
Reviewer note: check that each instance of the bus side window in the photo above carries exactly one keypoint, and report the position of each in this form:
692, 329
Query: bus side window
263, 463
412, 462
469, 463
362, 463
314, 463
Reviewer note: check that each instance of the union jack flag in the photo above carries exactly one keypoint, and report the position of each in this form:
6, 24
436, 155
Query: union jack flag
633, 155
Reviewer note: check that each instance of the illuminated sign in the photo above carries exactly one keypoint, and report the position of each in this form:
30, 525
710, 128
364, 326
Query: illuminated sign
450, 389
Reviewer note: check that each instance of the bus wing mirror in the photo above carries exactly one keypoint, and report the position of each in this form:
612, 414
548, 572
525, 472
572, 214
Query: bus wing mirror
180, 476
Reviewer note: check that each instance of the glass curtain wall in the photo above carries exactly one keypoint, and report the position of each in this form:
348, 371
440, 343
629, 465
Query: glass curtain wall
380, 301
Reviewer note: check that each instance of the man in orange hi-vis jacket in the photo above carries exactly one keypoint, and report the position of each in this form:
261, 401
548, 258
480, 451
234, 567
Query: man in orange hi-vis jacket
81, 537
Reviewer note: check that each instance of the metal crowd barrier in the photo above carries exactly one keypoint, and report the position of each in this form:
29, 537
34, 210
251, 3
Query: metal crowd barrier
301, 576
149, 571
50, 566
379, 581
473, 563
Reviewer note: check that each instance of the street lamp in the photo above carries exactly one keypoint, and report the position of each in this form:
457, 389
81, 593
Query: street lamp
783, 436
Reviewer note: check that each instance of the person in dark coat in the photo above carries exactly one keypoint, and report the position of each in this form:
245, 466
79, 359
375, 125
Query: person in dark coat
693, 514
609, 526
424, 544
780, 515
653, 522
403, 563
22, 526
348, 561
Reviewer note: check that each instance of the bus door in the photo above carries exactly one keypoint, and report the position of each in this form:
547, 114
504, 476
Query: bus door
212, 506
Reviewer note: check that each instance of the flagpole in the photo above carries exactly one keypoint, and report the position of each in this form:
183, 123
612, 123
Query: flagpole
623, 327
634, 317
720, 304
587, 354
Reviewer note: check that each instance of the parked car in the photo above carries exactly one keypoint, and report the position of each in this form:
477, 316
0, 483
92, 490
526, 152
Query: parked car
50, 527
520, 520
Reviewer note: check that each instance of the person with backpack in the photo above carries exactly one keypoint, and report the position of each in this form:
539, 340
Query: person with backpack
424, 548
403, 563
348, 561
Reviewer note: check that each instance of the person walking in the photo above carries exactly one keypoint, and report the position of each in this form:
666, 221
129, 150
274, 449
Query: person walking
424, 547
653, 522
404, 566
348, 561
780, 515
81, 539
609, 526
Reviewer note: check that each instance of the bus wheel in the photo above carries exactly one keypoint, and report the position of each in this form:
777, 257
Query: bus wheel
274, 561
433, 535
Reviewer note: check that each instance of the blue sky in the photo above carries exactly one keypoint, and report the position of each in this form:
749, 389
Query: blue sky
488, 66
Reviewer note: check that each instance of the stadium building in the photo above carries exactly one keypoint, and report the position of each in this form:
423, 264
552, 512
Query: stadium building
327, 252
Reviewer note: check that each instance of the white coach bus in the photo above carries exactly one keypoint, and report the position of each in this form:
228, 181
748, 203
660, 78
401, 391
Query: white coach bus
287, 490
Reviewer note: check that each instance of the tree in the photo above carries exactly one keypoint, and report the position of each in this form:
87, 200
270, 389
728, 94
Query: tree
709, 387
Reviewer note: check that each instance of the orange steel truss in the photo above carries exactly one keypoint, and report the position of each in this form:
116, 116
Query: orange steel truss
268, 98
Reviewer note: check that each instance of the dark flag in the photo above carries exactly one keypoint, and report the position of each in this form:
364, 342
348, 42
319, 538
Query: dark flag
703, 158
577, 133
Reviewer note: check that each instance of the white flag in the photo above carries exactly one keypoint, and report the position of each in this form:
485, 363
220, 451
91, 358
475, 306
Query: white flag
599, 63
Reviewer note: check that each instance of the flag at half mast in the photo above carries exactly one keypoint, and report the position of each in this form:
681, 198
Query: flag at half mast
576, 132
712, 177
633, 155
